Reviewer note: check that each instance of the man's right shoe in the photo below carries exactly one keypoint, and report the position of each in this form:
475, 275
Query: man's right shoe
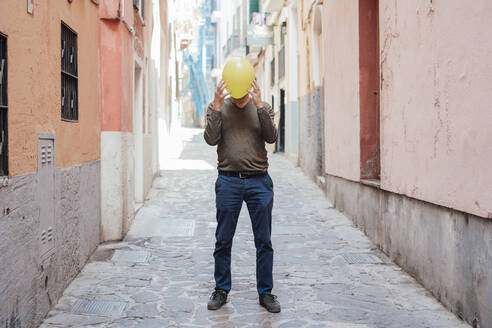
270, 303
218, 298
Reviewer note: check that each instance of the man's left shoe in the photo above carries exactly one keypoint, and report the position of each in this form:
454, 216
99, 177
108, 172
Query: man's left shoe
270, 303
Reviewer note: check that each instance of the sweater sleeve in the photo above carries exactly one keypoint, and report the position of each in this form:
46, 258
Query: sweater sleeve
268, 129
213, 129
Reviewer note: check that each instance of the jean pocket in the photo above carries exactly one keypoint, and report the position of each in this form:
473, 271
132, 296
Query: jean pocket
217, 184
268, 181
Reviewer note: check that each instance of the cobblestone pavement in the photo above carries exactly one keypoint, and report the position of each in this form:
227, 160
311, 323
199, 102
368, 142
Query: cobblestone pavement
161, 275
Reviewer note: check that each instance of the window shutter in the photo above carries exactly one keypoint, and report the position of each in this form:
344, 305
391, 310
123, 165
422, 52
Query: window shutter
254, 7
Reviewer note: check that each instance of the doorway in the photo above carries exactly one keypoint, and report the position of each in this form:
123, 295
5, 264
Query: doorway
369, 89
281, 126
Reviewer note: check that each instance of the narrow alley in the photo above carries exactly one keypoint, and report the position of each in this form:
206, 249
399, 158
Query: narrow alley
327, 273
132, 130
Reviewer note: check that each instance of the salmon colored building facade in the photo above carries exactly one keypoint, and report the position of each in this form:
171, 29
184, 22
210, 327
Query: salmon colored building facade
116, 101
50, 191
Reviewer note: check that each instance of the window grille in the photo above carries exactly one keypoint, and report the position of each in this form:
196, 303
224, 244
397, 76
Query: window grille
69, 75
3, 107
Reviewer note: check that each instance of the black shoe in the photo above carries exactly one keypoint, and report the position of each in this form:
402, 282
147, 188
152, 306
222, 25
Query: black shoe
218, 298
270, 303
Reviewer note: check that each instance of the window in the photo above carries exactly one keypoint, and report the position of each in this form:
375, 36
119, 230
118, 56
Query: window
281, 63
139, 5
3, 107
69, 75
237, 24
254, 7
272, 72
283, 31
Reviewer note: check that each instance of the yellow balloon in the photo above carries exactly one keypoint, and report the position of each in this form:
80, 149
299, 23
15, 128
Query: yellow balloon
238, 74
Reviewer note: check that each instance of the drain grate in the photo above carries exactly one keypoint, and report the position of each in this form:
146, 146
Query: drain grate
361, 258
99, 307
131, 256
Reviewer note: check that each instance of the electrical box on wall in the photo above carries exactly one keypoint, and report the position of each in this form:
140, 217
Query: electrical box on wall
46, 194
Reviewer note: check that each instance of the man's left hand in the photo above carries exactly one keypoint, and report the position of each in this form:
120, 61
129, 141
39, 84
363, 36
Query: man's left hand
255, 94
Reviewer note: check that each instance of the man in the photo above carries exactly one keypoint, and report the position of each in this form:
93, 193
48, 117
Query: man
240, 127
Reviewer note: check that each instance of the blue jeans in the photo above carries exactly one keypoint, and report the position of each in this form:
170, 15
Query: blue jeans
230, 193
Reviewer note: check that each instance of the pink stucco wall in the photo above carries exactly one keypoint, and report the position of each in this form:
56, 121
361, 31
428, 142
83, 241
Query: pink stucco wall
116, 67
436, 113
341, 88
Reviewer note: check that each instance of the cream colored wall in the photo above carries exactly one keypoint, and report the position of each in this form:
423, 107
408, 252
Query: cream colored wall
307, 50
341, 88
34, 81
304, 75
435, 104
291, 53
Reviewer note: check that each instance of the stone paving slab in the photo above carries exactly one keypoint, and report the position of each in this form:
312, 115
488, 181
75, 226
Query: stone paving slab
316, 284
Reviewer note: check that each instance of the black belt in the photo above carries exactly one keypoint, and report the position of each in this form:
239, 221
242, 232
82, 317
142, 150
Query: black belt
242, 175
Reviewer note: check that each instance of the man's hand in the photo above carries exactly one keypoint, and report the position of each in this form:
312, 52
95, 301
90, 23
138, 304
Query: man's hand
256, 95
220, 96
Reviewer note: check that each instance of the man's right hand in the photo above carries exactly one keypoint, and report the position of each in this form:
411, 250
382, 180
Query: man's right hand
220, 96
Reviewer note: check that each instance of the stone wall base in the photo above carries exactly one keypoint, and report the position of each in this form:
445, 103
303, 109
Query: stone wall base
447, 251
31, 285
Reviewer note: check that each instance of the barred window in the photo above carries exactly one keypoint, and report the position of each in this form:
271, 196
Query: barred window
69, 75
3, 107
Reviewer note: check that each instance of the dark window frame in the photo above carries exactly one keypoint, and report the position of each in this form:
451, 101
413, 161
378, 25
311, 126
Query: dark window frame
139, 6
69, 74
283, 33
4, 168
